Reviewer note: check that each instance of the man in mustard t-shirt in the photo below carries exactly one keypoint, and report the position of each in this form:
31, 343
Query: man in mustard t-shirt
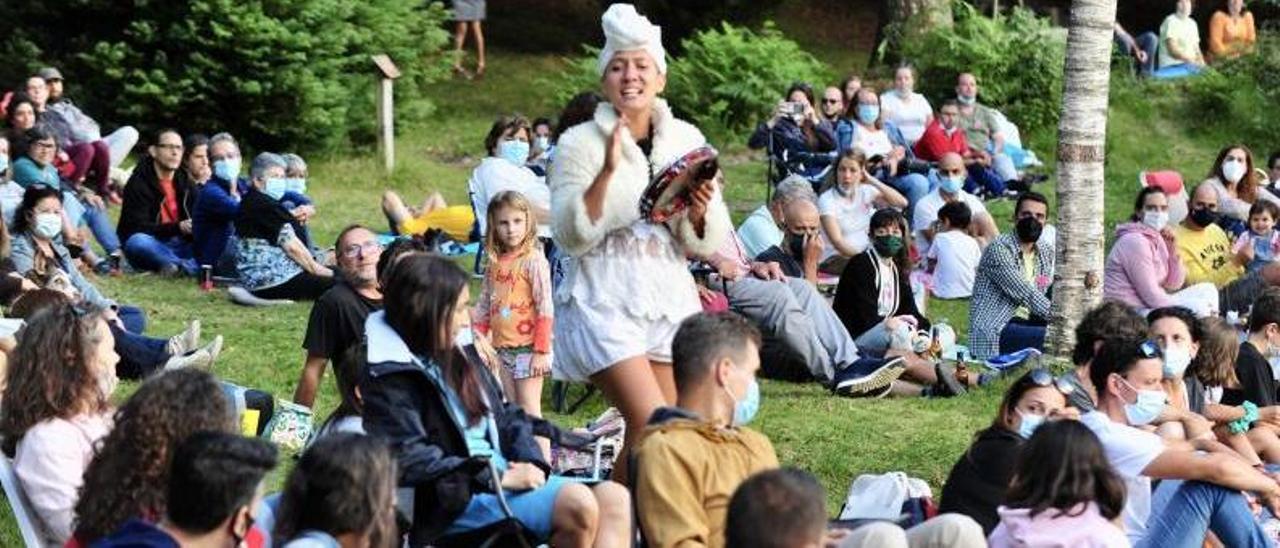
1205, 251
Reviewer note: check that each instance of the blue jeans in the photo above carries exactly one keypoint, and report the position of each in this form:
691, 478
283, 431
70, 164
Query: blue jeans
1181, 70
1018, 335
1181, 512
912, 185
145, 252
982, 178
139, 355
100, 225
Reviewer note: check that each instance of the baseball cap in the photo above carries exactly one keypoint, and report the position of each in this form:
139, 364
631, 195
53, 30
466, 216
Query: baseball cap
49, 73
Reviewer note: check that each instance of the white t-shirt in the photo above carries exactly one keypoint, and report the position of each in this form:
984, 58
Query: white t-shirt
495, 175
1183, 32
872, 142
957, 254
1129, 451
926, 212
911, 115
852, 214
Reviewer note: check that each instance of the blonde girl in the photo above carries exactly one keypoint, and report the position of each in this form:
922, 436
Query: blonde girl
514, 309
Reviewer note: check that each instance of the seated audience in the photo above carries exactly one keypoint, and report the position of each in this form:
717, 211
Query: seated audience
341, 493
218, 206
1063, 493
1194, 486
845, 209
953, 257
89, 161
1109, 320
801, 248
39, 256
1253, 368
541, 145
762, 229
295, 197
981, 124
978, 481
888, 151
1142, 48
1205, 251
215, 483
57, 408
850, 86
1011, 291
504, 169
1231, 32
1214, 367
155, 219
195, 160
20, 115
1179, 53
875, 303
36, 150
129, 474
1143, 269
273, 262
832, 105
905, 108
84, 128
1261, 242
456, 221
1273, 171
945, 135
337, 318
779, 508
925, 213
446, 418
798, 140
1237, 187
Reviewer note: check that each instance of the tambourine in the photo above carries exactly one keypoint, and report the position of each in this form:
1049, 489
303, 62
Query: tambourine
668, 193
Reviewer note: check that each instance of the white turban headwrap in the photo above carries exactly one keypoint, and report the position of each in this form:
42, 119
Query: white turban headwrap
626, 30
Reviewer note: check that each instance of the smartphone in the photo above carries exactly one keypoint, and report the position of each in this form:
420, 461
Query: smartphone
793, 109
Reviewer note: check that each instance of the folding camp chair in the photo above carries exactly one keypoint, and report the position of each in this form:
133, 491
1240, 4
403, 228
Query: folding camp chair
19, 504
507, 532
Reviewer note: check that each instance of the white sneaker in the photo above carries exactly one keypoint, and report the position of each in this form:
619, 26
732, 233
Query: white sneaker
201, 358
186, 341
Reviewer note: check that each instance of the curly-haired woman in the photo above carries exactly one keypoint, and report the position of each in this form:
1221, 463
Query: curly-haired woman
128, 477
57, 408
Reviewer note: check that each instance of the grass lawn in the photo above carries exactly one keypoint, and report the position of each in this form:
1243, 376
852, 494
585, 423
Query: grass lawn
836, 439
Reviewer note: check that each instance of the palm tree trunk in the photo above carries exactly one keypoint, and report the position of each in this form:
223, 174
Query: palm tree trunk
1082, 132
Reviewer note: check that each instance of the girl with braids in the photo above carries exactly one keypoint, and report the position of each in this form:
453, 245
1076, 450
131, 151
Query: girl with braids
56, 408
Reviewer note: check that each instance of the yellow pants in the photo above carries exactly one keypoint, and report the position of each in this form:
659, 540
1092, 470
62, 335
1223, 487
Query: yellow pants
456, 221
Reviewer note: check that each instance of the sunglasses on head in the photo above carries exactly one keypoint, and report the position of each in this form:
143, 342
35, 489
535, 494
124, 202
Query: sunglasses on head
1043, 379
1149, 349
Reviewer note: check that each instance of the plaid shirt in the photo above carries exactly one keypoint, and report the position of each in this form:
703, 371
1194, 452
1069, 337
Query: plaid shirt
1000, 288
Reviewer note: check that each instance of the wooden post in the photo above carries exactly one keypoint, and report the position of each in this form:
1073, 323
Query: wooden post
388, 72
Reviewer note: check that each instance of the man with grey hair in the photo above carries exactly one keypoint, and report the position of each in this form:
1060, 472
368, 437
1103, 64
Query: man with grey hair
272, 261
217, 206
762, 229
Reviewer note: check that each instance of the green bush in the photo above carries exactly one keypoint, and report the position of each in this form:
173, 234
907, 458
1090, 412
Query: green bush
1017, 58
1236, 93
277, 73
726, 80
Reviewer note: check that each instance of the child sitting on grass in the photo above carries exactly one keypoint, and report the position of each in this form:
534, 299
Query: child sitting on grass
1259, 245
953, 257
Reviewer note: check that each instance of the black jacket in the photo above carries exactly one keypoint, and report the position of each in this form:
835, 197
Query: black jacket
857, 296
405, 406
978, 481
142, 197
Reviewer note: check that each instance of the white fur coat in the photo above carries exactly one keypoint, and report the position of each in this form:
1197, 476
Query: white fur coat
580, 154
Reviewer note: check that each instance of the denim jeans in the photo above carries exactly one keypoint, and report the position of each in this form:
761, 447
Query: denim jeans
982, 178
1180, 70
1181, 512
139, 355
912, 185
100, 225
145, 252
1018, 335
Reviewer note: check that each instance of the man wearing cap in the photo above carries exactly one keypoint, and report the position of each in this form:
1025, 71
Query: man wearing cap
83, 128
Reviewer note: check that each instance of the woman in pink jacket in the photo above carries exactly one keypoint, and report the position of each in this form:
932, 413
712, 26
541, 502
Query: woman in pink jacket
1143, 269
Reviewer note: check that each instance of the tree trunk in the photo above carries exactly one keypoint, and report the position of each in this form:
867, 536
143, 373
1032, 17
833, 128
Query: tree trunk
1082, 133
921, 15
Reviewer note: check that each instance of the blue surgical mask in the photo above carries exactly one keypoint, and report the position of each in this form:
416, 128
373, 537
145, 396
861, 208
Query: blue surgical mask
48, 225
227, 169
543, 142
952, 185
1147, 407
276, 187
296, 184
966, 99
514, 151
745, 409
868, 114
4, 162
1030, 422
1176, 360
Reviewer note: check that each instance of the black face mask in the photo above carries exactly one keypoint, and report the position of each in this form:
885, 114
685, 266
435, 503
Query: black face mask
1029, 229
795, 245
1203, 217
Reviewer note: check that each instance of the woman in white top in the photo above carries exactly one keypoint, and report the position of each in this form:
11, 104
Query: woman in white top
1235, 182
846, 208
56, 408
504, 169
908, 110
626, 285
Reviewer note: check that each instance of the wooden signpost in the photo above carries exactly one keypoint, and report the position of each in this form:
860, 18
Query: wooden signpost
387, 72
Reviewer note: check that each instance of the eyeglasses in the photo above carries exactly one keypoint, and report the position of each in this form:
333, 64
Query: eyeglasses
1043, 378
44, 145
356, 250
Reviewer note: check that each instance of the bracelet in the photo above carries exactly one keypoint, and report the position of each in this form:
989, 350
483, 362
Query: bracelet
1242, 424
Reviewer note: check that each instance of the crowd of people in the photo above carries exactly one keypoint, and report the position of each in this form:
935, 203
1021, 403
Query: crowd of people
876, 207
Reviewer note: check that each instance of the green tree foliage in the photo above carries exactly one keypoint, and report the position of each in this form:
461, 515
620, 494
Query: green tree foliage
726, 80
1017, 58
278, 73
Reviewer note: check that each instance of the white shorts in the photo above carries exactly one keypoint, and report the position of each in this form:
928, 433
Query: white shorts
589, 340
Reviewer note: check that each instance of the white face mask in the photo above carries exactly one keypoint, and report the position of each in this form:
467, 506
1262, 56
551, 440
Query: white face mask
1157, 220
1233, 170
